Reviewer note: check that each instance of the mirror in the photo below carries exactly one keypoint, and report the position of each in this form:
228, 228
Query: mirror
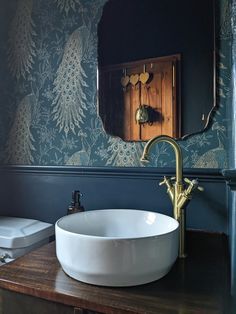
135, 30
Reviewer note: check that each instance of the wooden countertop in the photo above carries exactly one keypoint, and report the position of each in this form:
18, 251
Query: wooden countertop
197, 284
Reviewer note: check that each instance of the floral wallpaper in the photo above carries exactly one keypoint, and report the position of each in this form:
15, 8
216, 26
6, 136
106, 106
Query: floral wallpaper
48, 112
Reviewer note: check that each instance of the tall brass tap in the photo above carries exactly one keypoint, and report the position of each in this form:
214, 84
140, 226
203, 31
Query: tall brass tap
179, 193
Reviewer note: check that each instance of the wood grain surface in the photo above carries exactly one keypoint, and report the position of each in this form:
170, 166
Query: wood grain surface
197, 284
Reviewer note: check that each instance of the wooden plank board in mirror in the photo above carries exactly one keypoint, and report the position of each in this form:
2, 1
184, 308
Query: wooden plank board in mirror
139, 100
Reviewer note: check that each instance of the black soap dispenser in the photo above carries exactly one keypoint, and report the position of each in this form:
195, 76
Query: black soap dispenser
75, 205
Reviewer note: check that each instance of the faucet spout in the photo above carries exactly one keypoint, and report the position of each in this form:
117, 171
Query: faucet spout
177, 150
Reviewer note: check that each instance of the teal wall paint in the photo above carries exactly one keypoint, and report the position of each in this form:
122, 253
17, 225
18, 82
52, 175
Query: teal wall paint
48, 113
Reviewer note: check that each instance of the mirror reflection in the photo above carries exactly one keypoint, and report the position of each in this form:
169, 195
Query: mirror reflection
136, 39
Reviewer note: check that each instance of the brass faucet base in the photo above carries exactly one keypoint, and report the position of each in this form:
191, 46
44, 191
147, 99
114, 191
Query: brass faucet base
177, 192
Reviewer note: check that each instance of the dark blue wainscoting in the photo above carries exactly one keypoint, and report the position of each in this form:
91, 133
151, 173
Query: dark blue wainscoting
230, 177
45, 192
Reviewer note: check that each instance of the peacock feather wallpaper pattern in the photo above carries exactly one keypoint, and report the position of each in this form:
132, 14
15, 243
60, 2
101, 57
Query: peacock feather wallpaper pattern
48, 113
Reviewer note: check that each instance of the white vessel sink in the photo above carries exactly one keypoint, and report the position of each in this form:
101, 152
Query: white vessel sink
117, 247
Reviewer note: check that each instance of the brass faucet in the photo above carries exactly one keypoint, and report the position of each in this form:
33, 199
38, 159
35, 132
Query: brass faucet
177, 190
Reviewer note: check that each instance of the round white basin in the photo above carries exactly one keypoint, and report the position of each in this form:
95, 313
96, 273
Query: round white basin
117, 247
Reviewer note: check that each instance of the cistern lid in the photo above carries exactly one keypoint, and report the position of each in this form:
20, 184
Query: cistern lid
22, 232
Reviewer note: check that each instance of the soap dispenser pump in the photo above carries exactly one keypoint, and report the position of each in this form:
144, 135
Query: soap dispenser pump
75, 205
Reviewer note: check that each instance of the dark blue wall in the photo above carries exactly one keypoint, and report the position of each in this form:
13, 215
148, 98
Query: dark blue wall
230, 176
45, 192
